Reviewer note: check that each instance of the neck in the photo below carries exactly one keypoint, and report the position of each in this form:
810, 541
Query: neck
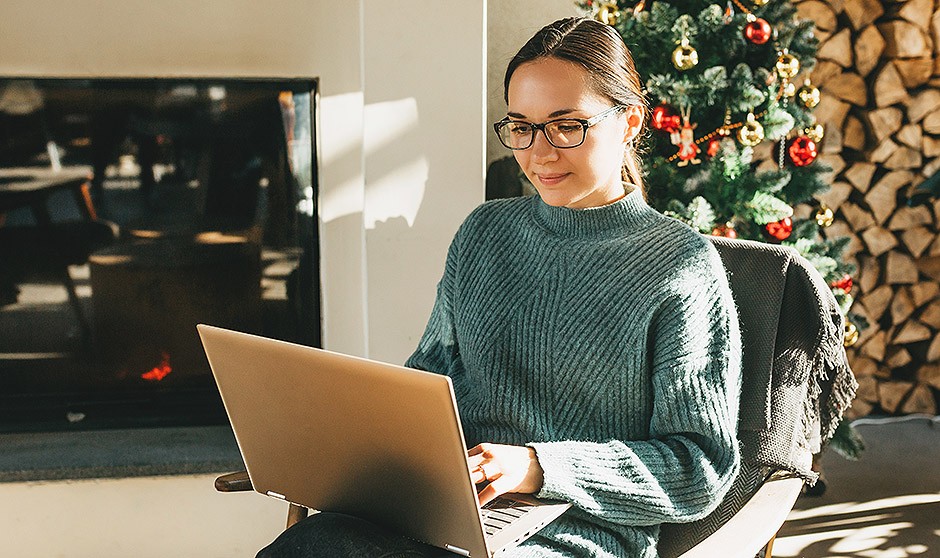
613, 218
609, 196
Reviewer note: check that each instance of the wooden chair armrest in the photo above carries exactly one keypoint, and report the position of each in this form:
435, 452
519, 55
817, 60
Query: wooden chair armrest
755, 524
239, 482
233, 482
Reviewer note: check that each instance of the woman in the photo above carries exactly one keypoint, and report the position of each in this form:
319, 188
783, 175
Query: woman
592, 342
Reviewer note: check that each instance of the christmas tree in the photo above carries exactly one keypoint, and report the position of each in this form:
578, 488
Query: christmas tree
721, 80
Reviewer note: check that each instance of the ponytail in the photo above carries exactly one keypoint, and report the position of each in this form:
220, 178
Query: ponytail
632, 172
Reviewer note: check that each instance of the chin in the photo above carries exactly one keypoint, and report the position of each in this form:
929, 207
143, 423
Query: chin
556, 199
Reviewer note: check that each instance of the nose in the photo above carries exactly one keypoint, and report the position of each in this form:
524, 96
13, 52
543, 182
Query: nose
541, 148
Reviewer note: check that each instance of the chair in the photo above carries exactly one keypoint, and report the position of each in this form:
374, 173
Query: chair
796, 384
47, 246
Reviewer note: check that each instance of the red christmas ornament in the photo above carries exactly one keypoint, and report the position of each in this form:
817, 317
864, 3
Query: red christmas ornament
757, 31
665, 118
845, 283
714, 145
781, 229
802, 151
725, 230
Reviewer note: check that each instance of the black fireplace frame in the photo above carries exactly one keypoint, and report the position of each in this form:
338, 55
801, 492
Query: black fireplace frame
49, 411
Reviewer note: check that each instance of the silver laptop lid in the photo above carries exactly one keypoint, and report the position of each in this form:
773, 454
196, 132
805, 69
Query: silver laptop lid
338, 433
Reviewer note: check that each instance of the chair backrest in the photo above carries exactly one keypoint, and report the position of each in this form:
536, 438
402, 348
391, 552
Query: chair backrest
784, 306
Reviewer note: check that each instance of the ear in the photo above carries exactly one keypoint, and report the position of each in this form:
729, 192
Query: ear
634, 115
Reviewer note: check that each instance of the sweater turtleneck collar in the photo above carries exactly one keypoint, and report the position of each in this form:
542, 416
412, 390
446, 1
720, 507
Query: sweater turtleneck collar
628, 212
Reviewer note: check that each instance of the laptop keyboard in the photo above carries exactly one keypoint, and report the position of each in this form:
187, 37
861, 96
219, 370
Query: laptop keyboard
501, 512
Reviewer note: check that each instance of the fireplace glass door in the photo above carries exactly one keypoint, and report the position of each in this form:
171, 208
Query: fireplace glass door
130, 211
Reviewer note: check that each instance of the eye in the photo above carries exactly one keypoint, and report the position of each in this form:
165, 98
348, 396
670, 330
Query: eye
520, 128
568, 127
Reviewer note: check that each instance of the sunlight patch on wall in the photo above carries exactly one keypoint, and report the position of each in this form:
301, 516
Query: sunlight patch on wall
396, 164
341, 156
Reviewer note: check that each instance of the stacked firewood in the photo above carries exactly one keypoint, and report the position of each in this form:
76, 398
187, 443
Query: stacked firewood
879, 73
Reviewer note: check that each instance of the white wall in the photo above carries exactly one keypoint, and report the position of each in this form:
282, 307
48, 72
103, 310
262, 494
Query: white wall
424, 158
425, 166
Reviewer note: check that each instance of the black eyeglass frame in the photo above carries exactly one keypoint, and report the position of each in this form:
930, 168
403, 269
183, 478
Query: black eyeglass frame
584, 122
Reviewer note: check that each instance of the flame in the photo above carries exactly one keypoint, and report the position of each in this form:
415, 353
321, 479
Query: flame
157, 373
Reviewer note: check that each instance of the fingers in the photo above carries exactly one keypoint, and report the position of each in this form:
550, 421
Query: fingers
480, 449
476, 450
506, 468
496, 488
491, 471
486, 471
477, 456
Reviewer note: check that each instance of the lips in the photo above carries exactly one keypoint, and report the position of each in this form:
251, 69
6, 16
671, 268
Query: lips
551, 179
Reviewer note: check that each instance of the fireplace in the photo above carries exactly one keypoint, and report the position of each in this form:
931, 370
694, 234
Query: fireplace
132, 209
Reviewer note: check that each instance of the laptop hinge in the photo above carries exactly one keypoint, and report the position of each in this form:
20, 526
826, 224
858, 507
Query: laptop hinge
273, 494
457, 550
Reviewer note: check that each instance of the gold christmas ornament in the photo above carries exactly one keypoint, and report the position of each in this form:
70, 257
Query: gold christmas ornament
787, 65
789, 89
824, 216
685, 57
608, 13
851, 334
808, 95
751, 133
815, 132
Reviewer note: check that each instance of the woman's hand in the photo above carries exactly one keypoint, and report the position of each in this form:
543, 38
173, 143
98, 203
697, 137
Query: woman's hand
506, 468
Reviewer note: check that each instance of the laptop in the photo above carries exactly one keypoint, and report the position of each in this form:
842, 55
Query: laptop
343, 434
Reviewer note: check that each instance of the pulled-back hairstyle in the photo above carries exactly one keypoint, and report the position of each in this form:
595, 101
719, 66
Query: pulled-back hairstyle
600, 50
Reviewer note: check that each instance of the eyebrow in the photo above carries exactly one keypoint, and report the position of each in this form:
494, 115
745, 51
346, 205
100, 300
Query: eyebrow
561, 112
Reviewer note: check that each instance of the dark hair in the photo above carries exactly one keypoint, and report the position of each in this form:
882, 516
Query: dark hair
600, 50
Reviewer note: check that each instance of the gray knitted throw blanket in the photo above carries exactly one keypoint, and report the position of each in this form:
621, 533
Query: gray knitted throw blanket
796, 383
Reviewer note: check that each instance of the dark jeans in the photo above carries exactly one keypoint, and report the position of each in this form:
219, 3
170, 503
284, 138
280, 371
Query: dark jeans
334, 535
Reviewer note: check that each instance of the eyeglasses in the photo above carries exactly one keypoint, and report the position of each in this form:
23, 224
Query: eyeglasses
563, 133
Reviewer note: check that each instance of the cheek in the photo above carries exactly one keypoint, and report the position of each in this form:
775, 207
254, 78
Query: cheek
605, 158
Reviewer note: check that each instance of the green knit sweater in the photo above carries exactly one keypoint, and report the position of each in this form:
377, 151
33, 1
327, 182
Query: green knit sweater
606, 339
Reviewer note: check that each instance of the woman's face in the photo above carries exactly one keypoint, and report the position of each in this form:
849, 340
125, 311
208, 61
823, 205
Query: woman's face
585, 176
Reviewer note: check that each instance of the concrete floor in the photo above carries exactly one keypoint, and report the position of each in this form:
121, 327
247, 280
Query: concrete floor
142, 517
886, 505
